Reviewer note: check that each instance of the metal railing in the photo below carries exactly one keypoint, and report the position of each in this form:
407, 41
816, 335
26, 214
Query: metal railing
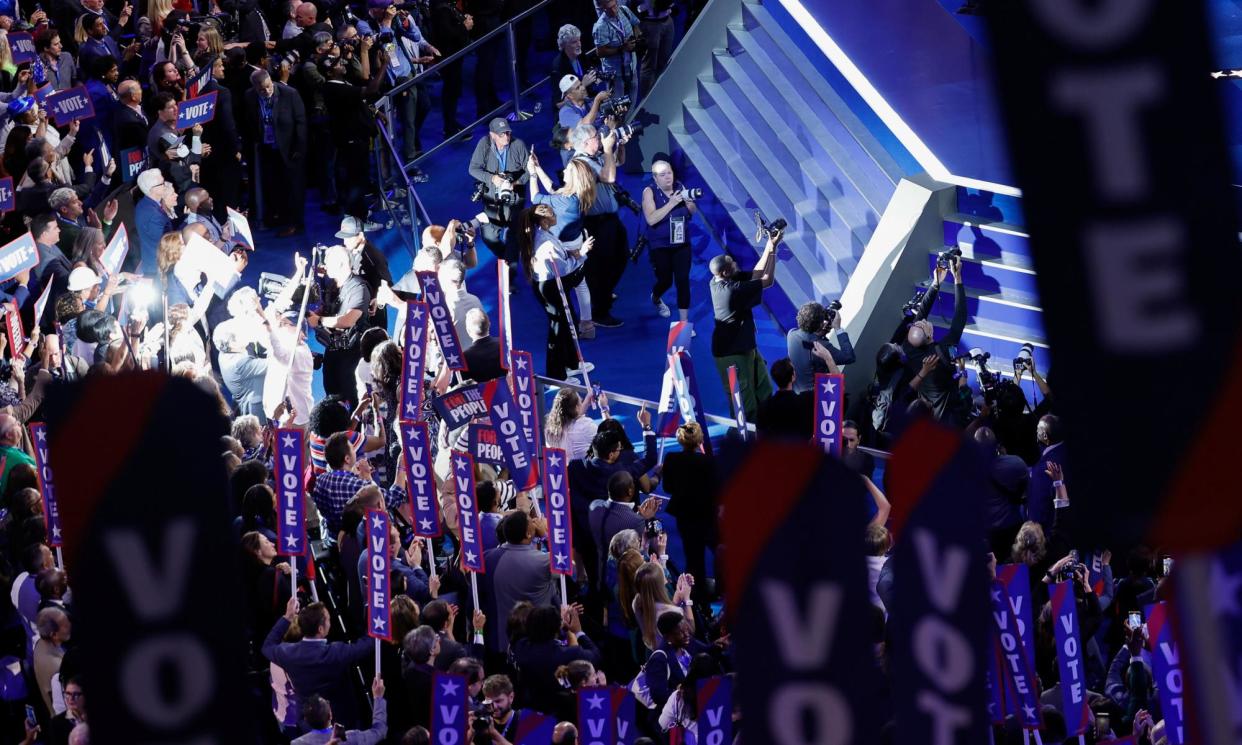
545, 384
513, 107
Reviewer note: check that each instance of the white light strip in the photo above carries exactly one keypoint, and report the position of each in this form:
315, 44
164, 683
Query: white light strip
921, 152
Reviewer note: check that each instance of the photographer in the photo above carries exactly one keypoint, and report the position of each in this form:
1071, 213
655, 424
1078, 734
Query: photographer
356, 55
407, 51
340, 323
574, 107
351, 126
450, 28
734, 295
616, 40
815, 324
667, 210
928, 363
309, 80
499, 165
570, 60
607, 262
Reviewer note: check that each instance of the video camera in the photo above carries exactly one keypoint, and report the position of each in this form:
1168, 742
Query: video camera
945, 258
912, 305
988, 380
767, 229
616, 106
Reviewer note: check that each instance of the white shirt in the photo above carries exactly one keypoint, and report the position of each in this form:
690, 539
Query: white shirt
551, 249
576, 438
460, 303
298, 365
362, 378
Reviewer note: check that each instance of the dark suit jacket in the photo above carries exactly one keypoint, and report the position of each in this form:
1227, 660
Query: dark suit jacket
1039, 493
53, 268
483, 360
129, 128
289, 118
537, 663
514, 573
320, 667
787, 415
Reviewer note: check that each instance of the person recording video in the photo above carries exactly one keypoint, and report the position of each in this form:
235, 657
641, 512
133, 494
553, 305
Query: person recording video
499, 165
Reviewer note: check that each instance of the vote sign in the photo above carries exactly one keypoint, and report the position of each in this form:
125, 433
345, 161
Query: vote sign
467, 513
1070, 659
560, 525
829, 411
70, 105
17, 256
7, 195
21, 45
47, 487
484, 446
291, 491
442, 321
379, 569
416, 445
514, 447
414, 361
196, 111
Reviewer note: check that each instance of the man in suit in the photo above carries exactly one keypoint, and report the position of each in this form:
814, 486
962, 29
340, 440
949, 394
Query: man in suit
516, 571
153, 216
440, 616
277, 122
69, 214
786, 414
315, 665
483, 355
223, 176
617, 513
130, 123
1040, 489
317, 712
75, 713
53, 267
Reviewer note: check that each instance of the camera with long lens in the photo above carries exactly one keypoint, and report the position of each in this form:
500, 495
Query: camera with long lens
506, 195
641, 245
765, 229
460, 233
912, 305
615, 106
831, 311
692, 193
988, 380
1025, 359
271, 285
625, 200
945, 258
483, 720
630, 131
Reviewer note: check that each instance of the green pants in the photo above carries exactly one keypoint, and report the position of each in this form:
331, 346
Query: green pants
752, 380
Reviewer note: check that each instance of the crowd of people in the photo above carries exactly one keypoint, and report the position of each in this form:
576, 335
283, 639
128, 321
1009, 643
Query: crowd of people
295, 84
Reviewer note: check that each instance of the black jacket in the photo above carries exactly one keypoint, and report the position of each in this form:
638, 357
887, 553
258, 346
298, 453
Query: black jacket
289, 119
483, 360
129, 129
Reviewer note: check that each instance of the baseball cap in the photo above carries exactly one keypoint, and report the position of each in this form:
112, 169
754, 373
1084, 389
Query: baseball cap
568, 82
21, 105
82, 278
499, 125
350, 227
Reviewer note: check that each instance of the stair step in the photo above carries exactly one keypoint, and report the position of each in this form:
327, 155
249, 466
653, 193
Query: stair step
794, 281
741, 165
813, 82
804, 195
1013, 310
1002, 340
992, 276
988, 240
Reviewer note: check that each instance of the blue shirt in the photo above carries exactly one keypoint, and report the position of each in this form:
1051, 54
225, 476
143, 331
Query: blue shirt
612, 32
334, 489
568, 215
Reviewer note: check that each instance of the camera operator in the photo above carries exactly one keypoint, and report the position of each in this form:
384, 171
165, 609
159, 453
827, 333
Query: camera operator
929, 364
356, 55
574, 107
352, 126
607, 262
734, 295
617, 37
667, 210
450, 29
408, 51
499, 164
815, 324
340, 323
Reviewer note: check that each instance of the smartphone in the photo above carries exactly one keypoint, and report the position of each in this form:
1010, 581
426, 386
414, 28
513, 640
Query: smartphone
1102, 726
1168, 565
338, 731
1073, 556
1136, 619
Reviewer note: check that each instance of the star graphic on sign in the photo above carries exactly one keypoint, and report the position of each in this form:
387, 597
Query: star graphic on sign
376, 522
452, 359
1029, 711
554, 460
414, 433
410, 408
417, 313
41, 436
424, 524
596, 701
449, 687
560, 559
461, 464
1225, 588
379, 623
292, 540
520, 362
471, 557
288, 441
996, 595
830, 386
56, 532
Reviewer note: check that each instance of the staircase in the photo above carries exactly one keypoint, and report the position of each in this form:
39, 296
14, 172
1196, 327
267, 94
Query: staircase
1002, 302
767, 131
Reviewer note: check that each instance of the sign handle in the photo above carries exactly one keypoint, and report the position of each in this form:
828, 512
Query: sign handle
474, 589
564, 594
60, 558
377, 656
293, 577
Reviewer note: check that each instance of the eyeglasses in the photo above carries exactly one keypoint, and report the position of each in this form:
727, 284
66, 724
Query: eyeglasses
73, 694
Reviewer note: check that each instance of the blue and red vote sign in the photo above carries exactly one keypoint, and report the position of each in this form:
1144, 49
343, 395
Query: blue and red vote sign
379, 571
442, 321
829, 411
1011, 611
291, 492
21, 45
534, 728
560, 522
196, 111
414, 361
17, 256
523, 375
416, 445
1070, 659
938, 615
796, 564
715, 707
7, 196
506, 420
1166, 663
47, 485
449, 712
467, 512
70, 105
